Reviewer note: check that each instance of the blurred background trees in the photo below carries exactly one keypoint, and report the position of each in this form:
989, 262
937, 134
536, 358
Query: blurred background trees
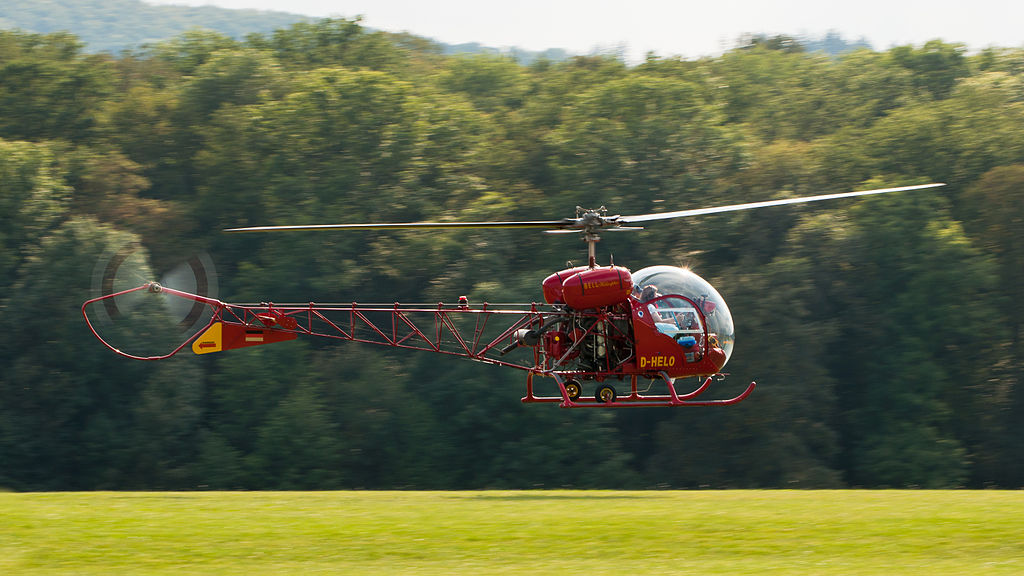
885, 333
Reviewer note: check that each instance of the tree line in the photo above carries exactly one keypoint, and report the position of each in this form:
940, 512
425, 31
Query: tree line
884, 332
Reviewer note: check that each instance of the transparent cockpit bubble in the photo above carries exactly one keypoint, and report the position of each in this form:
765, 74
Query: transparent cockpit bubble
681, 281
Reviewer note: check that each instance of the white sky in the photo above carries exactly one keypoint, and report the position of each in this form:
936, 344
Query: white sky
668, 27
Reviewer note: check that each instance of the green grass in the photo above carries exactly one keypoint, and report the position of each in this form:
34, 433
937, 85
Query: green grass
507, 532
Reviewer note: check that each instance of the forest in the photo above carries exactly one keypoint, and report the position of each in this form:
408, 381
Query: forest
884, 333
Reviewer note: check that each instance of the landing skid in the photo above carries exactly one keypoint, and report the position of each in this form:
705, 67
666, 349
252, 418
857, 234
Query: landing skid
606, 396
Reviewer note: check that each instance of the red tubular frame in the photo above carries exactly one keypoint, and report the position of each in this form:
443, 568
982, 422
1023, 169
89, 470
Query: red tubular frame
401, 330
432, 329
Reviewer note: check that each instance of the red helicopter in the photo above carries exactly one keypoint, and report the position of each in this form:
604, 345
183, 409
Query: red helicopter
606, 336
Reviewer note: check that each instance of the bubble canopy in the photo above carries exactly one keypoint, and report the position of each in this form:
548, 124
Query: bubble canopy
681, 281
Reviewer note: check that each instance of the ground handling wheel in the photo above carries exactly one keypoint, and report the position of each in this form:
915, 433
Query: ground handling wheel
573, 389
605, 394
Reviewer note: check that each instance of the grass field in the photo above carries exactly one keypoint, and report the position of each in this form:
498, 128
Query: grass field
499, 532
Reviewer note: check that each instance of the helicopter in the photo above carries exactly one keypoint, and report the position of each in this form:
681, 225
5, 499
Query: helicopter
606, 336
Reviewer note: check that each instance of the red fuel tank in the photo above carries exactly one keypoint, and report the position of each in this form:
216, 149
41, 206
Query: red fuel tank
584, 287
553, 284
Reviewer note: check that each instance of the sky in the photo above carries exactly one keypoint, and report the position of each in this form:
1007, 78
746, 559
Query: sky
686, 28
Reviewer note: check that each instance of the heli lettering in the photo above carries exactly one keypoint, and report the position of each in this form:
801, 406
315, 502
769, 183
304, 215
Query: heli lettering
597, 285
657, 362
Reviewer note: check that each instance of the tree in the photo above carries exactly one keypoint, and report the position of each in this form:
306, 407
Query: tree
334, 43
636, 140
48, 88
936, 66
488, 439
912, 311
493, 84
997, 202
34, 198
984, 110
164, 431
67, 417
298, 446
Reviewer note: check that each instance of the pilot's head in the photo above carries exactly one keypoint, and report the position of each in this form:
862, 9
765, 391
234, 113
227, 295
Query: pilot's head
649, 293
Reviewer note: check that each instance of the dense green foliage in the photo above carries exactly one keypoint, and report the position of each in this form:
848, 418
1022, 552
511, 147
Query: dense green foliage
885, 333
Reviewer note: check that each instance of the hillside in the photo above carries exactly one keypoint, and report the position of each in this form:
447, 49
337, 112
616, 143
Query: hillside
118, 25
115, 25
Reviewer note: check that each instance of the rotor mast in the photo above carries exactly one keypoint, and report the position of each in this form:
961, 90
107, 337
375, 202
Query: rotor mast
591, 240
590, 221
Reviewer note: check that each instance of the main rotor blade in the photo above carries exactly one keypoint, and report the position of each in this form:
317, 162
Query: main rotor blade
577, 224
765, 204
410, 226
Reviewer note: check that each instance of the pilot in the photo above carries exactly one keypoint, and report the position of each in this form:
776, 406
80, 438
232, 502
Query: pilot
664, 324
650, 292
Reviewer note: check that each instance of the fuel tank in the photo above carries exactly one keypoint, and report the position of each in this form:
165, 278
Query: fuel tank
553, 284
583, 287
